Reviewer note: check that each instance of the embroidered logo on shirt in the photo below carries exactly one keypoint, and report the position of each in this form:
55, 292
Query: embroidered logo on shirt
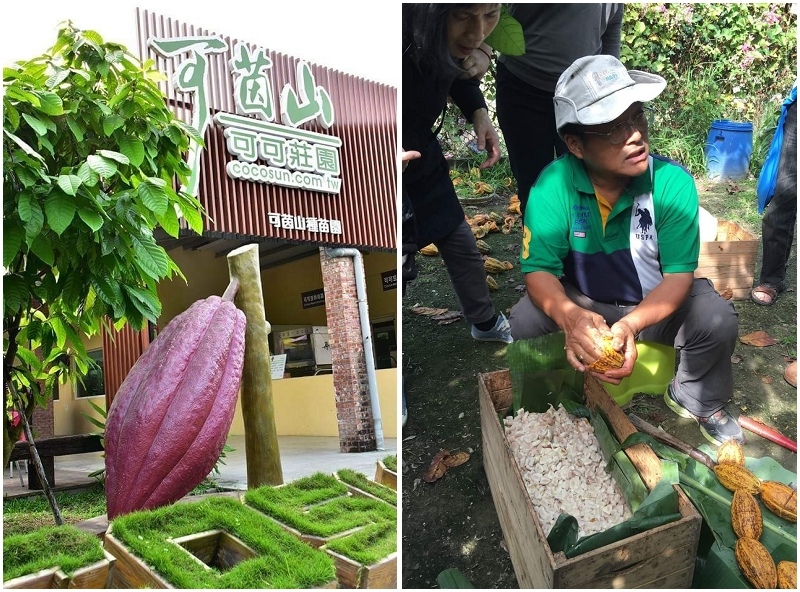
581, 215
645, 223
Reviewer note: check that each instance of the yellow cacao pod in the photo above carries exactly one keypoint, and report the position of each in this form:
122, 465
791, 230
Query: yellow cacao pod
780, 499
429, 251
746, 515
610, 358
733, 477
483, 247
756, 563
787, 575
492, 283
730, 451
492, 265
478, 231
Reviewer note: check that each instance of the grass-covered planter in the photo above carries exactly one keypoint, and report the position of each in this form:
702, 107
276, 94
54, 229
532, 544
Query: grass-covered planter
358, 484
386, 472
55, 557
358, 532
214, 543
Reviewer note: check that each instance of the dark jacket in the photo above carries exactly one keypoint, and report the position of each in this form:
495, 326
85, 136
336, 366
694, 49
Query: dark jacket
426, 180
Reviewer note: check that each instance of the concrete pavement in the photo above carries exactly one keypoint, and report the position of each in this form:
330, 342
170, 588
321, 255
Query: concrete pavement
300, 456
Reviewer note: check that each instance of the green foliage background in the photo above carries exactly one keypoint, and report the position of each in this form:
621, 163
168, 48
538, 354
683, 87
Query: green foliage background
721, 61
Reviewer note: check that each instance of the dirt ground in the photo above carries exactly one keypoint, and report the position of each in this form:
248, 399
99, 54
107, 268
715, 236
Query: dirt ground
452, 522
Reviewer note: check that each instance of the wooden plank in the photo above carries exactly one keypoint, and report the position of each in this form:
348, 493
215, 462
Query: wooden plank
59, 446
530, 555
93, 576
382, 575
384, 476
642, 457
727, 247
39, 580
130, 571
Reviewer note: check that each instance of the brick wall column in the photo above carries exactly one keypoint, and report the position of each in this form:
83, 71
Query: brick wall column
43, 421
353, 408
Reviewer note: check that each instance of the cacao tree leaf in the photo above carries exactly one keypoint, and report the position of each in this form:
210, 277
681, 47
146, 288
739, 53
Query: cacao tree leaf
87, 175
507, 35
169, 222
153, 197
69, 184
37, 124
42, 248
28, 150
455, 460
60, 332
150, 257
12, 241
75, 128
113, 155
112, 123
758, 339
60, 211
192, 215
15, 293
91, 218
102, 166
50, 103
427, 311
452, 578
35, 223
437, 469
26, 202
133, 149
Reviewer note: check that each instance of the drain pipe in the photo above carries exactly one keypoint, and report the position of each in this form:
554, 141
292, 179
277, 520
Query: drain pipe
366, 337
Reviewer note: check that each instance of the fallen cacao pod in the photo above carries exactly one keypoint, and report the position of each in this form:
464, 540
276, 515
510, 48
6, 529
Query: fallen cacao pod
483, 247
429, 251
495, 217
746, 515
170, 417
492, 265
787, 575
730, 451
610, 358
780, 499
756, 563
492, 283
733, 477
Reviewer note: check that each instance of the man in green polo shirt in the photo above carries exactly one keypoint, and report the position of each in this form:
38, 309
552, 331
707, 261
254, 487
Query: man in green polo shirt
611, 242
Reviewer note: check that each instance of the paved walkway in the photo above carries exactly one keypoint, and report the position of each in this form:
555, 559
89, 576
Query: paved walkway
300, 456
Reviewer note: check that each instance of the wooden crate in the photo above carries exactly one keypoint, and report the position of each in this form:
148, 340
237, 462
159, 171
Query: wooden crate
730, 260
94, 576
663, 557
384, 476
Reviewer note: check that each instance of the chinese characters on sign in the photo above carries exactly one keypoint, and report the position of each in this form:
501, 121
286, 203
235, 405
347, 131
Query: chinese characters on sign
289, 222
313, 298
389, 280
289, 156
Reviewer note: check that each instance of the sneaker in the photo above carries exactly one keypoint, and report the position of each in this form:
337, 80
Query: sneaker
500, 332
716, 428
720, 427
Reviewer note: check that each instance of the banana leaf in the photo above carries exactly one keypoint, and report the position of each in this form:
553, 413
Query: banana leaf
541, 375
453, 578
716, 564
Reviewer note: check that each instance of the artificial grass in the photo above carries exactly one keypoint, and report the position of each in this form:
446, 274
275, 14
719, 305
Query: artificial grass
334, 515
26, 514
283, 561
390, 462
52, 546
369, 545
359, 481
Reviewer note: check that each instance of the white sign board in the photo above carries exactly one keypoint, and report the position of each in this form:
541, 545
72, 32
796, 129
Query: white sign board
278, 366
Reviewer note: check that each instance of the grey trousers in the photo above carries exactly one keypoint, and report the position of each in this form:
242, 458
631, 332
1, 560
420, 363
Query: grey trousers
464, 264
703, 330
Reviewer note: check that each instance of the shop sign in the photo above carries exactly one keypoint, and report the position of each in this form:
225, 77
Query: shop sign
266, 151
389, 280
313, 298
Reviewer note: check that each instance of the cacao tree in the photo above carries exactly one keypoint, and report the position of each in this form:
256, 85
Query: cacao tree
93, 159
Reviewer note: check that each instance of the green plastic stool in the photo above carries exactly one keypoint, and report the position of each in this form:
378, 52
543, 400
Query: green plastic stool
654, 368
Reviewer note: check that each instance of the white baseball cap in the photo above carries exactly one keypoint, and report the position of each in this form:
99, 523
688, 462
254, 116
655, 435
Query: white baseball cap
598, 89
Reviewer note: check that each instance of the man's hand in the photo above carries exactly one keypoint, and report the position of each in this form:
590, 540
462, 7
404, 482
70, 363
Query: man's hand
486, 137
405, 157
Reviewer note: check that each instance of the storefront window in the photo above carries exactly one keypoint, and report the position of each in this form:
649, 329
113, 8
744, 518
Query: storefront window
385, 339
93, 384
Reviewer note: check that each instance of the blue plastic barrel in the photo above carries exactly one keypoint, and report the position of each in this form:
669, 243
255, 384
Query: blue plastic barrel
728, 150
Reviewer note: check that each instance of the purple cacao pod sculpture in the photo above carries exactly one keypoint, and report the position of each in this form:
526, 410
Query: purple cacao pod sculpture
170, 418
